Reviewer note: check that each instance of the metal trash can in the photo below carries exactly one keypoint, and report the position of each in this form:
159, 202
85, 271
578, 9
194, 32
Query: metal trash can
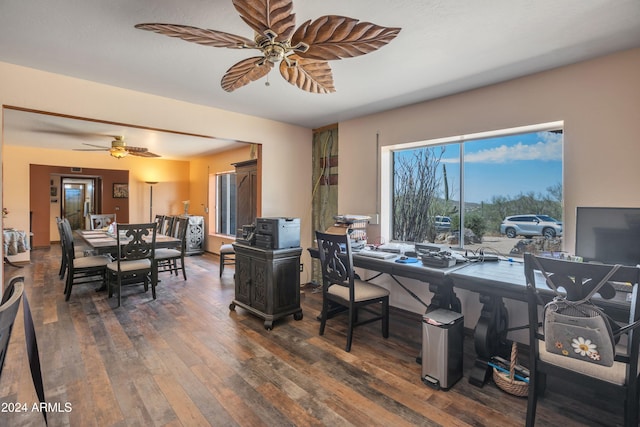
442, 340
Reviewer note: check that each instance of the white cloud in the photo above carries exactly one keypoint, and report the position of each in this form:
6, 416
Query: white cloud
548, 148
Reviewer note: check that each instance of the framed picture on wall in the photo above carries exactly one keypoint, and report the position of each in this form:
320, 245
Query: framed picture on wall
120, 191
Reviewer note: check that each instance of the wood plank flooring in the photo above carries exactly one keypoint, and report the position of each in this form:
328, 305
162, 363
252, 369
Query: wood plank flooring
185, 359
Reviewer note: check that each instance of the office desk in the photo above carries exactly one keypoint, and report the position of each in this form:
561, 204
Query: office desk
103, 243
493, 281
503, 279
435, 277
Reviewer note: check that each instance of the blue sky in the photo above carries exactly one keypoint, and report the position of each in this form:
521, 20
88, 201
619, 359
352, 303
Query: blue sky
507, 165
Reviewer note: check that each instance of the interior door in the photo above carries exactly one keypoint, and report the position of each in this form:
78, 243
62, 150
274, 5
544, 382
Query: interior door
73, 198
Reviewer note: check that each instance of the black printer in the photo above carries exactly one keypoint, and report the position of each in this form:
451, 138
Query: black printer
277, 233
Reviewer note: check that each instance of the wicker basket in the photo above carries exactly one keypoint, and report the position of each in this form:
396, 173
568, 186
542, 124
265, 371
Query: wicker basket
508, 383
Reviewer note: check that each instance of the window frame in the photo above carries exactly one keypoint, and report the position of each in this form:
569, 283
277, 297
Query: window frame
231, 211
386, 189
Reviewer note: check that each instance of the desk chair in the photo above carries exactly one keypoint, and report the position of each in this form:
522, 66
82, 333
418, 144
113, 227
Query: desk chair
100, 221
227, 256
136, 258
342, 291
619, 382
167, 258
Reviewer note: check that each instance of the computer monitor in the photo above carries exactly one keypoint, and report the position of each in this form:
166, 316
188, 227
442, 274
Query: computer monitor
609, 235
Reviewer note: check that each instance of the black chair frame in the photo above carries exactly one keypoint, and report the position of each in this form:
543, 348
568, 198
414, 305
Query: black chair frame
135, 262
576, 281
336, 261
167, 259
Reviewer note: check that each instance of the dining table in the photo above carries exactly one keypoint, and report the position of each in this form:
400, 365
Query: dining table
104, 242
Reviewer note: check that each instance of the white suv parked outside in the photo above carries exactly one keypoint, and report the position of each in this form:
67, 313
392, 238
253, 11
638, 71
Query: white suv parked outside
531, 225
443, 223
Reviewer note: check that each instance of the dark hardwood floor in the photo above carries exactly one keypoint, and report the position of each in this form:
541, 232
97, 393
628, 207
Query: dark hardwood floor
185, 359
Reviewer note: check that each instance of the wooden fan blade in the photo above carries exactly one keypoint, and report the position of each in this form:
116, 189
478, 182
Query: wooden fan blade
263, 15
142, 153
335, 37
201, 36
71, 133
244, 72
97, 146
308, 74
135, 149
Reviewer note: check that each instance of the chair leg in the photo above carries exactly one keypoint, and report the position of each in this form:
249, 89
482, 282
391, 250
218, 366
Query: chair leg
222, 266
184, 270
63, 268
323, 316
174, 267
353, 315
631, 407
385, 317
119, 290
109, 285
154, 282
532, 402
67, 287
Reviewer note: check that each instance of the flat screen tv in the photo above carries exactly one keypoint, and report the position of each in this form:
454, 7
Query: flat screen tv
608, 235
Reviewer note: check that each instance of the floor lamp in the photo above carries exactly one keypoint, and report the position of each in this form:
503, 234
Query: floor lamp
151, 183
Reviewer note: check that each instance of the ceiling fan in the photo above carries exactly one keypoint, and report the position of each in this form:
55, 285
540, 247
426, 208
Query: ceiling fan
303, 54
119, 149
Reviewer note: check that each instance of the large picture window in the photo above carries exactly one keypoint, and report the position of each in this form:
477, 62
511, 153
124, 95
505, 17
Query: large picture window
466, 185
226, 203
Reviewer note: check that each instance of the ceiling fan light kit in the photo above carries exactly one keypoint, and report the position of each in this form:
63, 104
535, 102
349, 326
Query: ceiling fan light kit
120, 149
118, 153
302, 53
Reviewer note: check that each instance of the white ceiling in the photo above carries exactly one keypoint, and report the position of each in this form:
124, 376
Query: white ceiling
445, 47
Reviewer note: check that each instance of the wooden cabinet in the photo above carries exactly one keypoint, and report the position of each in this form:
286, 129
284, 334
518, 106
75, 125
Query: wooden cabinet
246, 193
195, 235
268, 282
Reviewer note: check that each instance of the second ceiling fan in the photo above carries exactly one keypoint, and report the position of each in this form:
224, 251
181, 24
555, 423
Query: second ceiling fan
120, 149
303, 54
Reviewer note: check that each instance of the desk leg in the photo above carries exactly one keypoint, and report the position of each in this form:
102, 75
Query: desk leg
489, 336
444, 297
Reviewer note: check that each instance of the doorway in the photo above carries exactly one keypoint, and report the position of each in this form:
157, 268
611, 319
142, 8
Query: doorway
79, 200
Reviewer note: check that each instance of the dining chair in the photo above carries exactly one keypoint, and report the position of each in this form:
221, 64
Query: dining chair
167, 258
342, 291
227, 256
160, 219
63, 258
9, 304
80, 270
135, 258
78, 252
100, 221
169, 224
578, 356
8, 311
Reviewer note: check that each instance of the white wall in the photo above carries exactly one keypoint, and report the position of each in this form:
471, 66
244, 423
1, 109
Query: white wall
285, 190
598, 100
